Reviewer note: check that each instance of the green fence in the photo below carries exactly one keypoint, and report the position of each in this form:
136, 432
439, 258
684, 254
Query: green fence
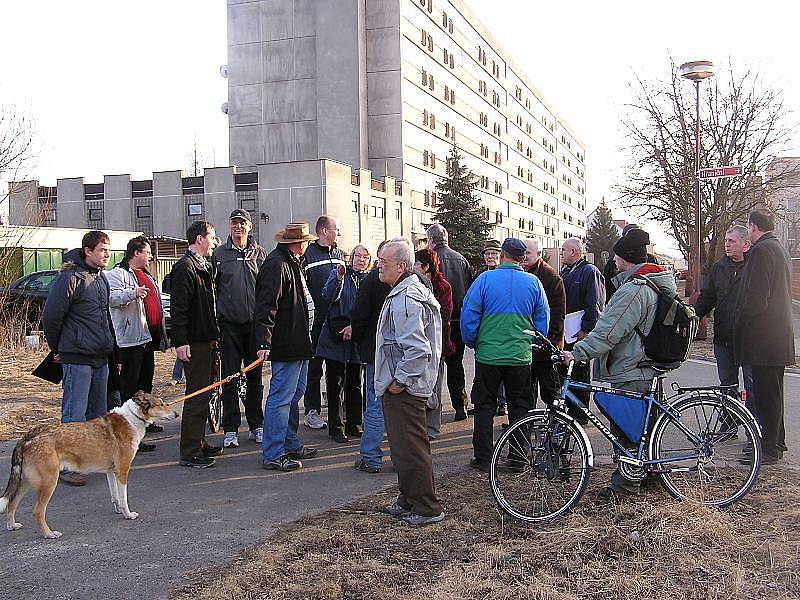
16, 262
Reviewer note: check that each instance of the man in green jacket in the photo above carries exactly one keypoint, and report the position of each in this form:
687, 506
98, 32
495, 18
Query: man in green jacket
614, 342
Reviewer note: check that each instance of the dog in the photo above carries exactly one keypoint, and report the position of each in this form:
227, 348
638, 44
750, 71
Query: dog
107, 445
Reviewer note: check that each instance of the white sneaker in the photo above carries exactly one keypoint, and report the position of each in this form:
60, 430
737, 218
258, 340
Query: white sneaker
231, 440
257, 435
314, 421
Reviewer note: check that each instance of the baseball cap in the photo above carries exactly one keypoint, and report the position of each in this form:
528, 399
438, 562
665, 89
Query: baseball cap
240, 213
514, 248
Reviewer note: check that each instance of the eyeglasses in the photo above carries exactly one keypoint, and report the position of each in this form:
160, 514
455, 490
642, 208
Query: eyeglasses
361, 256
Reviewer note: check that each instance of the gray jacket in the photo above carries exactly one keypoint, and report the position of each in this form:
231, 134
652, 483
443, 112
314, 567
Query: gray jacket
127, 311
235, 273
409, 339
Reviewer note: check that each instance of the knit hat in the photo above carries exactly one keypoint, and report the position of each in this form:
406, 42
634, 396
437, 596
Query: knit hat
492, 245
632, 246
514, 248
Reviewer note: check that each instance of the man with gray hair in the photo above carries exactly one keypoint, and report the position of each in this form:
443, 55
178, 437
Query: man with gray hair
458, 274
407, 353
719, 293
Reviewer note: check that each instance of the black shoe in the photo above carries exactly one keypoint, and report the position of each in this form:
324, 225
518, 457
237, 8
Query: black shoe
357, 433
471, 411
461, 415
212, 450
340, 438
145, 447
302, 453
480, 465
198, 462
153, 428
771, 459
284, 463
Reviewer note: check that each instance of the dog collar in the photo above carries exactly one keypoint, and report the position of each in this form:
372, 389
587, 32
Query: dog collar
137, 416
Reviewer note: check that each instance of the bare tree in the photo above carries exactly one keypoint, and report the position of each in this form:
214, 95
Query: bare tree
743, 122
16, 147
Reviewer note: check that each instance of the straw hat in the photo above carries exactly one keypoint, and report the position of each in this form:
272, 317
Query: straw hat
294, 232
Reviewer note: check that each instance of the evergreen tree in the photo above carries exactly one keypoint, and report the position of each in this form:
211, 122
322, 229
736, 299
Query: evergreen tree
602, 233
459, 210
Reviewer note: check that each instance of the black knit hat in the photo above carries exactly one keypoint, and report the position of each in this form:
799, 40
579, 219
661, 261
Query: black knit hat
633, 246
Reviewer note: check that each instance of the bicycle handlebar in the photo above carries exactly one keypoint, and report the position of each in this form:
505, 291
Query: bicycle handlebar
540, 340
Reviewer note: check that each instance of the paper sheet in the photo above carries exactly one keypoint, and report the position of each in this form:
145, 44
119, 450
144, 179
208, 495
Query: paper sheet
572, 325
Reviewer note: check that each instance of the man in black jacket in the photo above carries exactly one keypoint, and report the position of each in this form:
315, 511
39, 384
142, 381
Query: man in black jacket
458, 274
720, 293
763, 334
320, 258
282, 325
194, 335
78, 327
236, 264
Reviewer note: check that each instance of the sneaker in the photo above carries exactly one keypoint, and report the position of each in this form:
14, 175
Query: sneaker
361, 465
212, 450
72, 478
198, 462
302, 453
480, 465
461, 415
314, 421
396, 510
256, 435
153, 428
284, 463
145, 447
421, 520
231, 440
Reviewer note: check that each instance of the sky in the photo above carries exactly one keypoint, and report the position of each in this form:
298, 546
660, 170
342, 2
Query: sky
131, 87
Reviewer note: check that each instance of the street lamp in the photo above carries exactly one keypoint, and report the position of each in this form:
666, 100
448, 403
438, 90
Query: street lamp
697, 71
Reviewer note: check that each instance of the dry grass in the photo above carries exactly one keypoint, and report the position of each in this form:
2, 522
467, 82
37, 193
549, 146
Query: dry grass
647, 548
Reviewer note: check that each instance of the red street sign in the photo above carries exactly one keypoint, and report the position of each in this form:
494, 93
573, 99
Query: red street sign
719, 172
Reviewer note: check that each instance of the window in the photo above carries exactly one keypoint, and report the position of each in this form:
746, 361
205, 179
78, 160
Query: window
425, 158
430, 43
452, 97
424, 77
433, 121
194, 210
445, 56
95, 214
452, 61
444, 19
424, 38
431, 84
433, 161
425, 117
143, 212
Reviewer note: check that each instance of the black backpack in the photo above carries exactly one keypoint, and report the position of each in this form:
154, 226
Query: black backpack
674, 328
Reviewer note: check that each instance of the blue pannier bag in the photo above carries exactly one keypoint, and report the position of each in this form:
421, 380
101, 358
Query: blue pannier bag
627, 413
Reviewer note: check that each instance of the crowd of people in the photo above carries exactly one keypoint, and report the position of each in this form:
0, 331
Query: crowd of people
389, 332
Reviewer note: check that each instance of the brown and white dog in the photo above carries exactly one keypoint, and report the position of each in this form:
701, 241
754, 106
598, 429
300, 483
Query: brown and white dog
103, 445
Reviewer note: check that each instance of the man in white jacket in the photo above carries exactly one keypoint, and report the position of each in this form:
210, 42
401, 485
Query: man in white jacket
138, 321
408, 350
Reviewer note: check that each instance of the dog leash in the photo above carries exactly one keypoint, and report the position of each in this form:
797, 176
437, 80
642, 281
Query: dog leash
219, 383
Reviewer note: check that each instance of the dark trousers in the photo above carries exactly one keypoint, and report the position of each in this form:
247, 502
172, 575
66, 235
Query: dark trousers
236, 350
138, 366
580, 372
344, 391
767, 406
517, 381
407, 430
199, 373
545, 381
456, 384
313, 398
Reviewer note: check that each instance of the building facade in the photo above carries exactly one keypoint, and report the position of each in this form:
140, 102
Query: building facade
391, 85
782, 191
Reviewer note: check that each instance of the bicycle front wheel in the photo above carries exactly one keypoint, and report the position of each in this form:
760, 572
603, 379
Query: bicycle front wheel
215, 411
540, 467
713, 450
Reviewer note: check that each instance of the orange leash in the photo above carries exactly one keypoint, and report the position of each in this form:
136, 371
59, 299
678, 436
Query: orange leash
220, 383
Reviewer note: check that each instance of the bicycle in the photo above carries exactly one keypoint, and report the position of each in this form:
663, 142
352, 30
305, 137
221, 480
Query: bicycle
541, 464
215, 399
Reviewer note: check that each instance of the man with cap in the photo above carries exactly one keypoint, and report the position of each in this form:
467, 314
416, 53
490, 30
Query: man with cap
491, 256
282, 322
610, 270
614, 342
498, 307
236, 264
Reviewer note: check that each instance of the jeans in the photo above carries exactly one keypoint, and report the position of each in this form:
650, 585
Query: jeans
281, 411
85, 392
372, 437
728, 370
177, 369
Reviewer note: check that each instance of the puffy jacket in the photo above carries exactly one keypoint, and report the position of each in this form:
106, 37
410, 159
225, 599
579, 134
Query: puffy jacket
317, 263
556, 300
586, 291
76, 320
456, 271
281, 318
719, 293
127, 311
235, 272
499, 305
409, 339
367, 308
192, 302
341, 299
614, 342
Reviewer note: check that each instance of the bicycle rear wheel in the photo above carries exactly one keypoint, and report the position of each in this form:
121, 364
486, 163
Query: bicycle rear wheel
540, 467
721, 465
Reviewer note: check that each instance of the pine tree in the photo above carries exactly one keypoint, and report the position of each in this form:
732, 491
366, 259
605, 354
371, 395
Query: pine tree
459, 210
602, 233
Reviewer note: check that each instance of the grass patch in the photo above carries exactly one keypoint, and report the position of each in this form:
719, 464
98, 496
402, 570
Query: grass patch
649, 547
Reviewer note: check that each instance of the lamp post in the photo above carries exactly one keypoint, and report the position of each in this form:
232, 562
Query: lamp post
696, 71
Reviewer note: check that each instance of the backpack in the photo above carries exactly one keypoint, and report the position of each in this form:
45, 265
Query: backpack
674, 328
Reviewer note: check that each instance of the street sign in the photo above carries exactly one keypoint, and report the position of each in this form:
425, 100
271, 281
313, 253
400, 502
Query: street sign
720, 172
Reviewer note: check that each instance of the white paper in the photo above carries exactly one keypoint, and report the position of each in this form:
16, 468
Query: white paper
572, 325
